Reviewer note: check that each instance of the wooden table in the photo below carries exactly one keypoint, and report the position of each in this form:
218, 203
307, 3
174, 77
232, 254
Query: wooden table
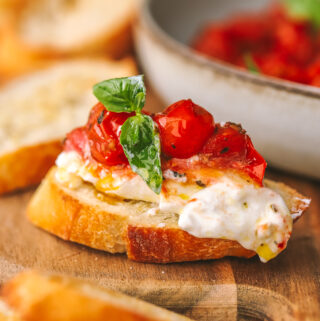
287, 288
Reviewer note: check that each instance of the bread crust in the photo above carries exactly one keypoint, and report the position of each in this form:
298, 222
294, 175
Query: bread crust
81, 217
19, 57
27, 166
75, 219
115, 42
24, 162
159, 245
7, 314
53, 298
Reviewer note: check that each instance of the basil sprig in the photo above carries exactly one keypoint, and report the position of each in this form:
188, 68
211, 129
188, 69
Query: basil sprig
141, 144
121, 94
304, 9
139, 137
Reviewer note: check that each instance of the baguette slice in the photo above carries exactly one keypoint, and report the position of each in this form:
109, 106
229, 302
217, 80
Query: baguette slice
59, 27
38, 297
7, 314
37, 110
83, 215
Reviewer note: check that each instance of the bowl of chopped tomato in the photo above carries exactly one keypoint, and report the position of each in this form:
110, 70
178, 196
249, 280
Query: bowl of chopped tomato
250, 61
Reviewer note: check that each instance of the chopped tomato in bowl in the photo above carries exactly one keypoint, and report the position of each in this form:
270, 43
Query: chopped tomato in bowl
271, 42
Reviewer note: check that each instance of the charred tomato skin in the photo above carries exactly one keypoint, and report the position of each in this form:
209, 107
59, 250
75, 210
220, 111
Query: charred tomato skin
231, 147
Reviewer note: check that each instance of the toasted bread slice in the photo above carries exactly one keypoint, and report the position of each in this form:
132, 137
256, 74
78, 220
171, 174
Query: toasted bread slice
83, 215
37, 110
15, 58
36, 34
7, 314
59, 27
52, 298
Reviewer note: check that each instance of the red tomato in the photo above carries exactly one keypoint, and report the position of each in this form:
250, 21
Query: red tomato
103, 133
294, 41
231, 147
216, 42
313, 73
226, 142
280, 45
77, 140
184, 128
277, 65
256, 164
249, 29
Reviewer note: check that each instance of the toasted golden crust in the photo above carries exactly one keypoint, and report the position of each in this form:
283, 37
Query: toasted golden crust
51, 298
159, 245
76, 219
116, 226
115, 42
36, 110
27, 166
296, 202
7, 314
19, 57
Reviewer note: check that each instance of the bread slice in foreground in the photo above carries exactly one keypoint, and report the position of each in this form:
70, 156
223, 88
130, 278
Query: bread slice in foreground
85, 216
38, 297
37, 110
7, 314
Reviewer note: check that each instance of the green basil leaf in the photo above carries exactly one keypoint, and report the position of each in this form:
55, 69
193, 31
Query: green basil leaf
304, 9
251, 64
141, 144
121, 94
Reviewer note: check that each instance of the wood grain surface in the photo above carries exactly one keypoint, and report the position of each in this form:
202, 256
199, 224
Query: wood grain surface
287, 288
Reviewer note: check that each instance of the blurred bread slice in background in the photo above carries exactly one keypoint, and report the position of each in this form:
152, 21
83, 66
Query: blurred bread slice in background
37, 297
16, 59
73, 26
35, 33
38, 109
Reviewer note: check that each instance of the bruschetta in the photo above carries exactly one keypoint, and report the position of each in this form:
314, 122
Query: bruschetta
170, 187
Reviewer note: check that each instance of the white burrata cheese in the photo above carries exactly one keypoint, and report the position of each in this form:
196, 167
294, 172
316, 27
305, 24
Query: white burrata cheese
256, 217
71, 166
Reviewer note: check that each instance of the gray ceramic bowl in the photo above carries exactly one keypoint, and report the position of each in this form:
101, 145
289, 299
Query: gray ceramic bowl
283, 118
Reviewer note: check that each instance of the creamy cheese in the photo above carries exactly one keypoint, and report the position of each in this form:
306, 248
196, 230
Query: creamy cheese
257, 218
71, 167
169, 174
229, 208
72, 170
177, 195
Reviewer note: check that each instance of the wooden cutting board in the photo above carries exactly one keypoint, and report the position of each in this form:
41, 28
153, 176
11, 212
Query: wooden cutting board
287, 288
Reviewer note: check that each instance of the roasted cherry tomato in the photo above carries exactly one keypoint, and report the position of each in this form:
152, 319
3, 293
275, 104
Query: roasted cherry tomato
184, 128
77, 140
255, 163
103, 133
216, 42
231, 147
227, 141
